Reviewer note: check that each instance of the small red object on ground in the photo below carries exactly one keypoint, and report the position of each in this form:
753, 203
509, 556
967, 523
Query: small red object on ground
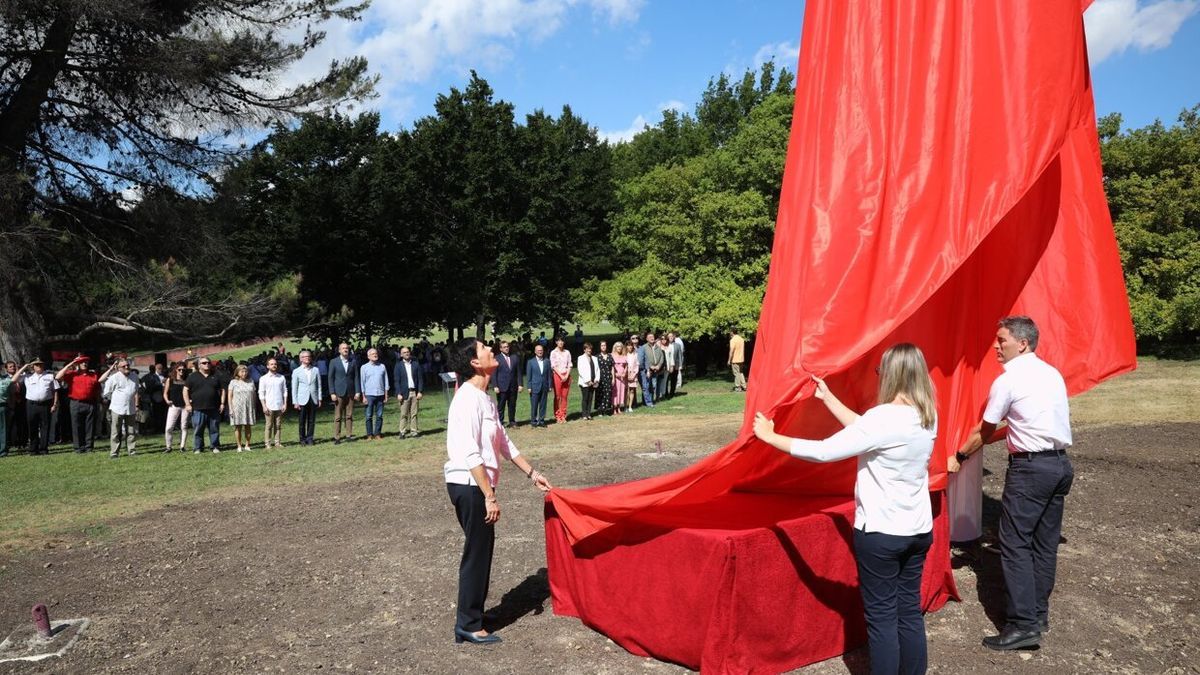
41, 619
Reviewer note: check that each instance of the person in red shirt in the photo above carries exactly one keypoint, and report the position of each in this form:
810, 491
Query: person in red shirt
82, 383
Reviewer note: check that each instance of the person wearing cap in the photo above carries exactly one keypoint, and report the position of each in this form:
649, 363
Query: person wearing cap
1031, 397
121, 388
82, 384
40, 404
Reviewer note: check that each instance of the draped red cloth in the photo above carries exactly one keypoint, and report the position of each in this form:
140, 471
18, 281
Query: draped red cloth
943, 172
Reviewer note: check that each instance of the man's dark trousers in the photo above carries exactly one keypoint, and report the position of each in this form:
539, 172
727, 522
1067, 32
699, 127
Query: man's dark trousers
308, 421
507, 400
537, 407
83, 425
1035, 489
38, 414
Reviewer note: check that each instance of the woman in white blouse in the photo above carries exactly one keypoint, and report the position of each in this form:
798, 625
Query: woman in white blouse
474, 443
893, 522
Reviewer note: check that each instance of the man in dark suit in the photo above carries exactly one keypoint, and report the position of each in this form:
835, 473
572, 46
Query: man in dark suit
154, 385
343, 389
507, 383
409, 381
537, 380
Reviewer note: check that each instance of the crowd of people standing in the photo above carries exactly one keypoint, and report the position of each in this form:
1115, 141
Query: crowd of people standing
197, 395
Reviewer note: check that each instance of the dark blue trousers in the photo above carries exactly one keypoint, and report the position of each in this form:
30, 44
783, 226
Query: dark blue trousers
210, 420
537, 407
1031, 512
889, 578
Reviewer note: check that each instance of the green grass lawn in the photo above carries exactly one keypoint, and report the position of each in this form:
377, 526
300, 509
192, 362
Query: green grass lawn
46, 497
42, 497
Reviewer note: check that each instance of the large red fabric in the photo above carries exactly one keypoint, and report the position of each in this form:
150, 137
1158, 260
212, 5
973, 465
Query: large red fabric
744, 583
943, 172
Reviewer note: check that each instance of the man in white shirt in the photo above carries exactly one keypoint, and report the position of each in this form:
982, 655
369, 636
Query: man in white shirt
589, 378
1031, 397
121, 390
273, 394
41, 401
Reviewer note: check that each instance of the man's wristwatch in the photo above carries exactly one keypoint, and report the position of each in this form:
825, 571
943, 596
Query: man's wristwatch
960, 456
490, 498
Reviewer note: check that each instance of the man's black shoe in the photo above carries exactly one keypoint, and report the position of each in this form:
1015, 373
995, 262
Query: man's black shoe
1012, 638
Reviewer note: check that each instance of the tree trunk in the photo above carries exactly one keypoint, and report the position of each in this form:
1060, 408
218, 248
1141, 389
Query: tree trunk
21, 116
22, 329
480, 327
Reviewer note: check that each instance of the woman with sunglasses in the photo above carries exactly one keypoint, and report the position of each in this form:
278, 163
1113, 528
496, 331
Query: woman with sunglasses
893, 520
177, 417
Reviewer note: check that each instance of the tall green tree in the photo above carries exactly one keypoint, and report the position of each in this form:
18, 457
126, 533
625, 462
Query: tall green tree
100, 96
304, 202
562, 238
692, 236
1152, 178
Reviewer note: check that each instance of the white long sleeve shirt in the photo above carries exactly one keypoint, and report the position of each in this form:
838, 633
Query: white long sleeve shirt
121, 391
273, 392
891, 494
474, 438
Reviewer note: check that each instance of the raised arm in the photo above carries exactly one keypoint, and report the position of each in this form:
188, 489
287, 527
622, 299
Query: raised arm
843, 414
851, 441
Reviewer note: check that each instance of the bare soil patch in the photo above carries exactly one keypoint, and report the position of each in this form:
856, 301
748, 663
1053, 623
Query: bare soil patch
361, 575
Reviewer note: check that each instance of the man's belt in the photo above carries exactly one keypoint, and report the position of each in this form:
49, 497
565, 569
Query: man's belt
1032, 455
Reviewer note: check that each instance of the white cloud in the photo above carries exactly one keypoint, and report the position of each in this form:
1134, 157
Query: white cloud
785, 55
617, 11
639, 123
1114, 26
677, 106
410, 41
625, 135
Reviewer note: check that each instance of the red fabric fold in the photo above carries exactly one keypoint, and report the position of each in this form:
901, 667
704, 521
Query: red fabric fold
943, 172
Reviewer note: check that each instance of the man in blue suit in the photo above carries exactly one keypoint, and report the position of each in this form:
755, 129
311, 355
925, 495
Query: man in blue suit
507, 383
410, 388
343, 389
537, 380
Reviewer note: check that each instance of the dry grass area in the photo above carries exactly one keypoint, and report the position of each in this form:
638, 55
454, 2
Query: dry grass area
1158, 391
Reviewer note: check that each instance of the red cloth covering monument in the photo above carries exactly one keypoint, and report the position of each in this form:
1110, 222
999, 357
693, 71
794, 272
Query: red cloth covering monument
943, 172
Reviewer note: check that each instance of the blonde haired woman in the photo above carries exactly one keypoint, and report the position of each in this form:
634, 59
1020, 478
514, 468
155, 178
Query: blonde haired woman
893, 521
620, 377
241, 406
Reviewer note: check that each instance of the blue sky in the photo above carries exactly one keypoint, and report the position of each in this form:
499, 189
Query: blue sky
618, 63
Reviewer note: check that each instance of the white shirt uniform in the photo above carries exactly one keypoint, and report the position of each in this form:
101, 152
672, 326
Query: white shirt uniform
40, 387
891, 494
1032, 396
474, 437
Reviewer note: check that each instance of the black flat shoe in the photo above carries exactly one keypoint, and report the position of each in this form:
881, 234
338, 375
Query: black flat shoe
461, 636
1012, 638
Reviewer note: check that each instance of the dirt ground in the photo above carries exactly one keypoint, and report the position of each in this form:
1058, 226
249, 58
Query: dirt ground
361, 575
